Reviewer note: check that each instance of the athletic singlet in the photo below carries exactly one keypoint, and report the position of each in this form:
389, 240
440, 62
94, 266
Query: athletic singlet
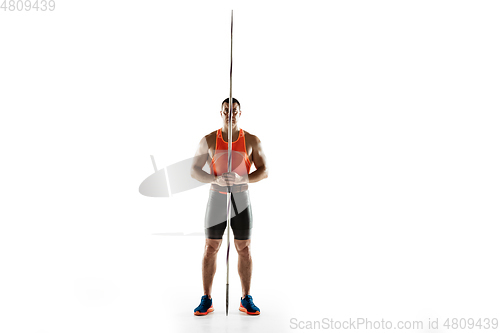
240, 162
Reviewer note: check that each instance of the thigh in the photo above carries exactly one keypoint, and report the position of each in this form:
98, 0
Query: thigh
215, 215
242, 221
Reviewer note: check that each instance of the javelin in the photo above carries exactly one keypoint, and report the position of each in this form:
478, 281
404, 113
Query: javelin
229, 148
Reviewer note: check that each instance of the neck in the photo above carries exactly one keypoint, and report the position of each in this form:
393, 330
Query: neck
225, 132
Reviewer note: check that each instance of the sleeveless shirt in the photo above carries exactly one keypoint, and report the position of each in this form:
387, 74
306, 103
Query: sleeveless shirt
240, 162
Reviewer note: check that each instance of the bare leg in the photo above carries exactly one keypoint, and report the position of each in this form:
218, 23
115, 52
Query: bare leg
244, 264
209, 264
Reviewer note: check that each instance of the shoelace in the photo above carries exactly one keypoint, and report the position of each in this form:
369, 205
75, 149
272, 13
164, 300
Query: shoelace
249, 300
204, 302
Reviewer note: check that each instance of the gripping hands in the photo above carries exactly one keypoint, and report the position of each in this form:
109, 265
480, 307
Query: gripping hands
230, 179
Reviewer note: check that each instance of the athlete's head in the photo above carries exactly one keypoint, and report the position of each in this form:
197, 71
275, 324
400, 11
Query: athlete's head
225, 111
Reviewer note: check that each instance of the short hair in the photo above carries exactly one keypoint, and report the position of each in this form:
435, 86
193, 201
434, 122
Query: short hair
227, 101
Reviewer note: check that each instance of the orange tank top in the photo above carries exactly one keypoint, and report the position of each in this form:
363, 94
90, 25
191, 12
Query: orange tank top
239, 158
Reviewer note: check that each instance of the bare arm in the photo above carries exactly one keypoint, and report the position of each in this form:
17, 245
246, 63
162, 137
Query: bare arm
199, 160
260, 162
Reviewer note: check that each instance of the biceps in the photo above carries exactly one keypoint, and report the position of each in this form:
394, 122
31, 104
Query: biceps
259, 158
201, 154
199, 161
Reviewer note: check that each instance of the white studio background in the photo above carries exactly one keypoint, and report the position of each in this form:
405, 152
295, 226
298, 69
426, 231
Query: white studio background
379, 119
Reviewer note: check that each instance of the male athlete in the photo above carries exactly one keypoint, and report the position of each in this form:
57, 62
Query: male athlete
213, 149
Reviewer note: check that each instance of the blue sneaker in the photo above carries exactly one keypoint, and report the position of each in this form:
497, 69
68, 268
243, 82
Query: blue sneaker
205, 306
247, 306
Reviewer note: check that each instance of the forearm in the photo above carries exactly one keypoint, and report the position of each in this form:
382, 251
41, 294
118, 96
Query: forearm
258, 175
202, 176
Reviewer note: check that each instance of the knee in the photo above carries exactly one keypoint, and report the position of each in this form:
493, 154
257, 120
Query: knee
211, 249
243, 250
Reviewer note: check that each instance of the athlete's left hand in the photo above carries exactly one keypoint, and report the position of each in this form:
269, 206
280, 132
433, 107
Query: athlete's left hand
240, 179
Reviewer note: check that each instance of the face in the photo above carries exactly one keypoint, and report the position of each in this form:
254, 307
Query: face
225, 113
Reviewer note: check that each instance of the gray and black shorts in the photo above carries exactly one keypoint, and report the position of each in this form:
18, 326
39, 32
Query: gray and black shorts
216, 215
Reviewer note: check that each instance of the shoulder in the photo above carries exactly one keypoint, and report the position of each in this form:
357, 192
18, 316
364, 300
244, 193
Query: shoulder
209, 139
210, 136
251, 138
